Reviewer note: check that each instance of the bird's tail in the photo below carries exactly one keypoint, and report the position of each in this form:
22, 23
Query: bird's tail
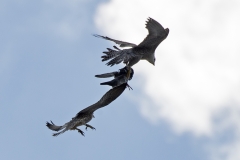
111, 53
106, 75
107, 83
54, 127
116, 56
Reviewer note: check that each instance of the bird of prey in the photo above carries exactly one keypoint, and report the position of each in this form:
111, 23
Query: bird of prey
85, 115
120, 77
145, 50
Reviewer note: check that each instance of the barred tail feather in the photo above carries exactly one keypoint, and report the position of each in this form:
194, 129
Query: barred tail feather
116, 60
110, 55
118, 56
110, 51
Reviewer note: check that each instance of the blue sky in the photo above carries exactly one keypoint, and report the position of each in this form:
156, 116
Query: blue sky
48, 59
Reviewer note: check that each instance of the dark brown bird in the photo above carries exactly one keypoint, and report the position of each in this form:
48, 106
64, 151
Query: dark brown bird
122, 76
85, 115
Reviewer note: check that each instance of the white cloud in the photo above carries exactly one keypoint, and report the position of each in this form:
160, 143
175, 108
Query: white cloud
196, 76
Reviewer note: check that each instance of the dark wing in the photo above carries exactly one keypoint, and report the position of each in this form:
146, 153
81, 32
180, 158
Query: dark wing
106, 75
120, 43
106, 99
155, 31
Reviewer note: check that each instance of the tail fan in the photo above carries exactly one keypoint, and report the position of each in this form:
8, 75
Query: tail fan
54, 127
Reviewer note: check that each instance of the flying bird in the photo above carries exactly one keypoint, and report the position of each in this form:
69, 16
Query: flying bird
86, 115
145, 50
122, 76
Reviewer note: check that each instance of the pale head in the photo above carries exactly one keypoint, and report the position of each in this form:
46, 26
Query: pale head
151, 59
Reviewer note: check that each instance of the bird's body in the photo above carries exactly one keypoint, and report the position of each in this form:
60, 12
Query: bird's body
145, 50
116, 81
72, 125
120, 77
115, 74
86, 115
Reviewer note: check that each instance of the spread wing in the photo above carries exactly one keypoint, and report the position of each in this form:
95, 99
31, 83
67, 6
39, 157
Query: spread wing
120, 43
106, 75
156, 33
106, 99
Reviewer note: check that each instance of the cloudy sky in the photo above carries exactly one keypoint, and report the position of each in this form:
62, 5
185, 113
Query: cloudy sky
187, 106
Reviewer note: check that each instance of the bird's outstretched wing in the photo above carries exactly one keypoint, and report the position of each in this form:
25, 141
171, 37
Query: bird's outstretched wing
106, 75
122, 71
120, 43
106, 99
155, 31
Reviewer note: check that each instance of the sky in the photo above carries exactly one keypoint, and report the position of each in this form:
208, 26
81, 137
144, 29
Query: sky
187, 106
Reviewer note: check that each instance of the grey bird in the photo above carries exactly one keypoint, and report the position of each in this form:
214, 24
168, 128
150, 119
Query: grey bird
145, 50
122, 76
86, 115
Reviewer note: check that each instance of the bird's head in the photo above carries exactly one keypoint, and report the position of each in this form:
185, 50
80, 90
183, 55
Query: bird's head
152, 59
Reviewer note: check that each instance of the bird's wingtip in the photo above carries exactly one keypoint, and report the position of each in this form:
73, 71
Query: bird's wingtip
96, 35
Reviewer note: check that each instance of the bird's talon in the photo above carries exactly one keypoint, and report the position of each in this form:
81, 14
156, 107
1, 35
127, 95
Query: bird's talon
129, 87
